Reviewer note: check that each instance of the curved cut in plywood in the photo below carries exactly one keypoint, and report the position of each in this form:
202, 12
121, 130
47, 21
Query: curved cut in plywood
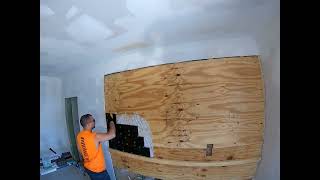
170, 169
189, 106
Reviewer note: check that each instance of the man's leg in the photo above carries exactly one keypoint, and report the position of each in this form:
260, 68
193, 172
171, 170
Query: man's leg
98, 176
91, 174
106, 175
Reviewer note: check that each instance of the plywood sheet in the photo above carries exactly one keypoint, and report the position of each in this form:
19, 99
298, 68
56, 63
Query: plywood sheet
219, 154
192, 104
170, 169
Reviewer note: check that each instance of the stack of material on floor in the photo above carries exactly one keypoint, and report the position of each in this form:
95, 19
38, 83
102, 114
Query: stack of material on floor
51, 164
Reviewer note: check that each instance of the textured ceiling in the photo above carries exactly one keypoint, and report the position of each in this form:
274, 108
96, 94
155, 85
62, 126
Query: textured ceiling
82, 32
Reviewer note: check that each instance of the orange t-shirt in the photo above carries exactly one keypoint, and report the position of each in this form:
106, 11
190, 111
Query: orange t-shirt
92, 155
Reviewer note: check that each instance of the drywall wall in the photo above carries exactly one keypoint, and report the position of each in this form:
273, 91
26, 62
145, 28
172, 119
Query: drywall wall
53, 130
268, 41
87, 82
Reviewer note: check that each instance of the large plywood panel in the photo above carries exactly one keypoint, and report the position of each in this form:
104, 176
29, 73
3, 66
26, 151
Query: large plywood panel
191, 104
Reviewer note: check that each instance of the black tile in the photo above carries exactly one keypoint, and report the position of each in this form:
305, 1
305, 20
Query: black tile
120, 148
126, 130
133, 131
113, 141
135, 144
118, 126
120, 143
128, 149
116, 143
127, 144
136, 149
119, 133
139, 147
127, 140
145, 152
113, 146
140, 141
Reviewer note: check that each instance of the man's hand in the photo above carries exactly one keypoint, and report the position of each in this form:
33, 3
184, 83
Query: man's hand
100, 137
112, 128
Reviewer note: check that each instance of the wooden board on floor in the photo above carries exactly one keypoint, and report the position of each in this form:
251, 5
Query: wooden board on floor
189, 105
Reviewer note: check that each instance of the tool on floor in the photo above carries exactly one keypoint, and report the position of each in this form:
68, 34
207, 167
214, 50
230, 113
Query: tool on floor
52, 151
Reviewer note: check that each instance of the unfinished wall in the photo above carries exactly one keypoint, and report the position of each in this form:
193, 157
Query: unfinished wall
268, 40
189, 106
53, 130
87, 82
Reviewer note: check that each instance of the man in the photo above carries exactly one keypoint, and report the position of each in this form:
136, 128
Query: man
90, 146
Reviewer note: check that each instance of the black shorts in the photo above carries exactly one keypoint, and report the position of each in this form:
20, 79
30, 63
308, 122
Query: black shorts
98, 176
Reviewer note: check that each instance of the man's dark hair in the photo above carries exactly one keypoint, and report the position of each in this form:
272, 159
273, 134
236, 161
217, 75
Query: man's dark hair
84, 119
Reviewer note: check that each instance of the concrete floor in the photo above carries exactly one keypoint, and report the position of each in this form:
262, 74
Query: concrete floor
123, 174
67, 173
73, 173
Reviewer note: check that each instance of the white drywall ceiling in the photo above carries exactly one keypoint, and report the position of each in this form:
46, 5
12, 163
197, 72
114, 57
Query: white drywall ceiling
78, 33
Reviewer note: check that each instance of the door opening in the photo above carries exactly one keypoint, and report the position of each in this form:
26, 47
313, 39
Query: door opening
72, 118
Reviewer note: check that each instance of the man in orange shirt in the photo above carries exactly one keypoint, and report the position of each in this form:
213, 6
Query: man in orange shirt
90, 146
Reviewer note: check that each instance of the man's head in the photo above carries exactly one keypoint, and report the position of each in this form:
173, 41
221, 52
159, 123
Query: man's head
87, 121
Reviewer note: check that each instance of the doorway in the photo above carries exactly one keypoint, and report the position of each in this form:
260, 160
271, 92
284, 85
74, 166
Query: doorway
72, 118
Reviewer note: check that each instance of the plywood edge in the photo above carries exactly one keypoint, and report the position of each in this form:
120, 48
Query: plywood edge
186, 61
264, 98
183, 163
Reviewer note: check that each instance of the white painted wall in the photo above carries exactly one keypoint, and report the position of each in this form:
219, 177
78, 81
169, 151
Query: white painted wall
53, 129
268, 41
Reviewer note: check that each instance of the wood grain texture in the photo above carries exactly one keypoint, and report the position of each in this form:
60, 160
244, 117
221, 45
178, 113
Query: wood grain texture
170, 169
191, 104
219, 154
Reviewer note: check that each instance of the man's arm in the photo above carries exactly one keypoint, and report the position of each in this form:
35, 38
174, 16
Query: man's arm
100, 137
